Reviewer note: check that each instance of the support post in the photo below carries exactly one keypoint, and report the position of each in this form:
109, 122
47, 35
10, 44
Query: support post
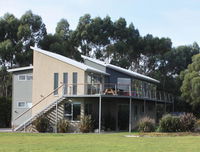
130, 111
156, 111
100, 114
165, 102
56, 129
115, 89
24, 126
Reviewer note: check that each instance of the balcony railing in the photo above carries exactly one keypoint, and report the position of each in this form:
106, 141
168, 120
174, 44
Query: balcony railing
111, 89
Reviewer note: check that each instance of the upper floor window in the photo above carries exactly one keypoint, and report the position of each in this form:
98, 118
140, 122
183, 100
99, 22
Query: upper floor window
29, 77
55, 87
21, 104
75, 79
25, 77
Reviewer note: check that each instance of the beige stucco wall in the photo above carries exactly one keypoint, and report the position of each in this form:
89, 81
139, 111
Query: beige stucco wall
43, 79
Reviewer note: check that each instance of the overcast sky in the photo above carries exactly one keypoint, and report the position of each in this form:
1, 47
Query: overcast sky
176, 19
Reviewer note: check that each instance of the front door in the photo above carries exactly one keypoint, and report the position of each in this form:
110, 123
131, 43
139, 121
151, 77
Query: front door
123, 116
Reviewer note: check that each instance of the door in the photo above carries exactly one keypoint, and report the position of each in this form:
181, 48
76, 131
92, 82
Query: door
123, 116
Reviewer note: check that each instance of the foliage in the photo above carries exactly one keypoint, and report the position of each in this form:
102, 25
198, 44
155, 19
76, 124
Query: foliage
187, 121
86, 124
170, 123
191, 82
146, 124
42, 124
5, 112
63, 126
197, 125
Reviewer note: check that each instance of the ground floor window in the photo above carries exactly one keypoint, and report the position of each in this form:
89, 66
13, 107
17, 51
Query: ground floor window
88, 109
72, 111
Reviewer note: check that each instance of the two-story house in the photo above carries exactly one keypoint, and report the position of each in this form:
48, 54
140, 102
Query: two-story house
60, 87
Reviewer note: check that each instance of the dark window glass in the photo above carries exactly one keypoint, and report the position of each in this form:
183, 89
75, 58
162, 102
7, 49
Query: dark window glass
65, 82
75, 83
142, 108
135, 110
55, 83
88, 109
76, 111
72, 111
68, 111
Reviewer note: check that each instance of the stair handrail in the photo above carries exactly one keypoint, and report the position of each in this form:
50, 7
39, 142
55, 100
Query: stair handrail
38, 102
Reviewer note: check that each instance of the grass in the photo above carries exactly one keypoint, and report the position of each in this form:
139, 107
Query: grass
117, 142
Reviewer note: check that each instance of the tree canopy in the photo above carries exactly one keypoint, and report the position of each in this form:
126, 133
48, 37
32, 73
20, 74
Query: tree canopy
191, 82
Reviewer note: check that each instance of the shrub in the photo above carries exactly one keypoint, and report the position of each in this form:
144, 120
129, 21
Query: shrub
63, 126
42, 124
169, 123
86, 124
187, 122
197, 125
146, 124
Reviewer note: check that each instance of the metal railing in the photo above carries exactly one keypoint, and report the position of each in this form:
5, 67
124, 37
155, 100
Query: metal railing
23, 117
106, 89
112, 89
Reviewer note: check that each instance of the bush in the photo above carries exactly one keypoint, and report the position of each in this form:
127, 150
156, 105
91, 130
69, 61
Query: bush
187, 122
146, 124
86, 124
63, 126
42, 124
170, 123
197, 125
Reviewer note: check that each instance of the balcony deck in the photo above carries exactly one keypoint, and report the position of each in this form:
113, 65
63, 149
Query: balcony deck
105, 91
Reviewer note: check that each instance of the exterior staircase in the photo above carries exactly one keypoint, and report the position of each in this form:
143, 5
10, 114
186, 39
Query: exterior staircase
54, 111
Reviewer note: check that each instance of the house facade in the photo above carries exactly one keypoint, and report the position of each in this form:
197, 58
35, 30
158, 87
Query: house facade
63, 88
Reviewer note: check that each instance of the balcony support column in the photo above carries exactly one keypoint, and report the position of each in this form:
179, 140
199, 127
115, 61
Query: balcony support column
100, 114
130, 111
145, 107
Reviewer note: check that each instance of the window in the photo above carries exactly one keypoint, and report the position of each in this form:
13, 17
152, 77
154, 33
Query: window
29, 77
76, 111
55, 84
88, 108
65, 82
135, 110
25, 77
21, 104
124, 83
142, 109
75, 75
22, 77
72, 111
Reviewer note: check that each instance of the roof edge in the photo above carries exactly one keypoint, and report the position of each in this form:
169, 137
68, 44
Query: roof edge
20, 69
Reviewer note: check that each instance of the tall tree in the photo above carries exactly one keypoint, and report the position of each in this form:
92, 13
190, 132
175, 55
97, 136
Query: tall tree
62, 42
191, 82
30, 32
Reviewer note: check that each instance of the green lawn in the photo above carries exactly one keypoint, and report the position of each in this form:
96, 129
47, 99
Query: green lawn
117, 142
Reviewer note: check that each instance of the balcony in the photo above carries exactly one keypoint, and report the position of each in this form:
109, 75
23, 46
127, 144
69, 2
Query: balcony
116, 90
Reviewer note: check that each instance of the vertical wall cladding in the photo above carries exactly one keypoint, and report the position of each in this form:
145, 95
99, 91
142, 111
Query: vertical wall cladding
22, 92
43, 82
114, 75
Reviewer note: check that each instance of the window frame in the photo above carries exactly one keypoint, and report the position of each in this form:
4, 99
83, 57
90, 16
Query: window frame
25, 77
22, 75
75, 82
25, 104
28, 75
55, 83
65, 83
70, 116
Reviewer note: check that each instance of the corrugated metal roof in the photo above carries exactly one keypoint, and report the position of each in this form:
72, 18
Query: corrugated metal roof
128, 72
69, 61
